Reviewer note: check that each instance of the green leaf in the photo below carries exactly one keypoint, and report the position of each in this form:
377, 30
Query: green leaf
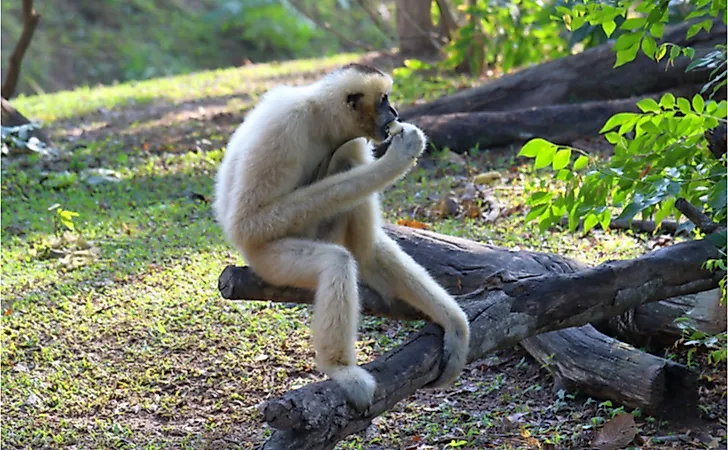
667, 101
648, 105
649, 46
534, 147
537, 211
633, 23
665, 210
609, 27
631, 210
657, 29
626, 41
722, 111
580, 162
617, 119
698, 103
590, 221
539, 198
650, 127
684, 105
605, 218
661, 52
561, 159
627, 55
674, 52
545, 157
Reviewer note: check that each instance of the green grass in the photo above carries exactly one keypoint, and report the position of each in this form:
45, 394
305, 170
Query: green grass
136, 348
248, 81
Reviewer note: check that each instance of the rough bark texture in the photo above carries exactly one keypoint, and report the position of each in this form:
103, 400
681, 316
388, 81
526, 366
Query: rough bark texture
561, 124
653, 325
584, 360
588, 76
507, 297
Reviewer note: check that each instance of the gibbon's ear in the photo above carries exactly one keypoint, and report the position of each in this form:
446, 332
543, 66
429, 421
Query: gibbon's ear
353, 99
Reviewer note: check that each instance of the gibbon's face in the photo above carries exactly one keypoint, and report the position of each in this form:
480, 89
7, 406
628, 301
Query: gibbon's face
373, 113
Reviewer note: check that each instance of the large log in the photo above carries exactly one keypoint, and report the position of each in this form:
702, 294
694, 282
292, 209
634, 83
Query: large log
587, 76
655, 325
561, 124
584, 360
507, 297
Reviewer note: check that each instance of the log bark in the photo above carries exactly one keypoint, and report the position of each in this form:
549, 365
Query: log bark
584, 360
561, 124
587, 76
508, 296
654, 325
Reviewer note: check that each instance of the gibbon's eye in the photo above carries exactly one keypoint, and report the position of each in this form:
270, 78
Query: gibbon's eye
353, 99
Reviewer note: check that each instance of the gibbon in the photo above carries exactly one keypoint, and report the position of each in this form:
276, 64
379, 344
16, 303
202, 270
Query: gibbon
297, 195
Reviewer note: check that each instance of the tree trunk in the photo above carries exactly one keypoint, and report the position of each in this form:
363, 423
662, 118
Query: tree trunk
588, 76
508, 296
415, 29
586, 361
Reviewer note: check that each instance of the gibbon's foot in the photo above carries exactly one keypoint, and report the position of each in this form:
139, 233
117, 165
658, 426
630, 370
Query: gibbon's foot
454, 357
357, 383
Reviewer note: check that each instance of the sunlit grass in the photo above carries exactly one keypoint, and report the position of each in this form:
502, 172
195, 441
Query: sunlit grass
199, 85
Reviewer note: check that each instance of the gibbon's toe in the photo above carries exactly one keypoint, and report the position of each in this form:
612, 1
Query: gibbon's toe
454, 358
395, 128
358, 384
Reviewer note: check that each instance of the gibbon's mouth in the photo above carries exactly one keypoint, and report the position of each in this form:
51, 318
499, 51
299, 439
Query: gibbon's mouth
383, 132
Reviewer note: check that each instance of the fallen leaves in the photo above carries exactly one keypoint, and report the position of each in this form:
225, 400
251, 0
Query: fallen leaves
617, 433
72, 251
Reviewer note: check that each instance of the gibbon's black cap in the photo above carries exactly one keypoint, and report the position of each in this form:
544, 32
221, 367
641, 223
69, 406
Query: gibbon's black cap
361, 68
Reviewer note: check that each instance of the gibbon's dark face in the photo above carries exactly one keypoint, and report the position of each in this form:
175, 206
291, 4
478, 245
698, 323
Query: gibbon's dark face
375, 114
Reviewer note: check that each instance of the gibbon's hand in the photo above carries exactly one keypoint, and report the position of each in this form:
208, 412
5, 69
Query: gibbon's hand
406, 145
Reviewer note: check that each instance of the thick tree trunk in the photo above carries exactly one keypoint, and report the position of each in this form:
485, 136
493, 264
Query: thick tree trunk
654, 325
561, 124
415, 29
588, 76
509, 296
586, 361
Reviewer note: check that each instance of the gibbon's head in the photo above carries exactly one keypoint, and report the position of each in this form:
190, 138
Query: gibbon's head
361, 94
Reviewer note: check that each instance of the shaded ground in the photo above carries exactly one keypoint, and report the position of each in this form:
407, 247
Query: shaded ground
134, 348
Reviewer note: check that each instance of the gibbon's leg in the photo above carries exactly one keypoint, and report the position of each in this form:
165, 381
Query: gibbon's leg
388, 270
332, 271
410, 282
356, 228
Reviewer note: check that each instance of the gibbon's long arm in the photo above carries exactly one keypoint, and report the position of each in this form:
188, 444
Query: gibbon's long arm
318, 201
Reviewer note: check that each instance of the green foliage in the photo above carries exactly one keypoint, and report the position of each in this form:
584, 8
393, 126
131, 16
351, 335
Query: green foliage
638, 26
505, 34
660, 154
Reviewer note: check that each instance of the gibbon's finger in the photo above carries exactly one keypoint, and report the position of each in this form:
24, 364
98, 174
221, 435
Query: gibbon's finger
395, 128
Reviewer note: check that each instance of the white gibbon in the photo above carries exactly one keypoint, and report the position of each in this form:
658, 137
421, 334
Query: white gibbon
296, 194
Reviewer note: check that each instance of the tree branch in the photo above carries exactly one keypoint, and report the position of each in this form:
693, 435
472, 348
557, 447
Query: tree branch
701, 221
30, 21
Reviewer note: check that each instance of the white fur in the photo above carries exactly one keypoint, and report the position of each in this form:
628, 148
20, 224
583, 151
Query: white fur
296, 193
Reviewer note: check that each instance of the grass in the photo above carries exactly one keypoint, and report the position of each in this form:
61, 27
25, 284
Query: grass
133, 347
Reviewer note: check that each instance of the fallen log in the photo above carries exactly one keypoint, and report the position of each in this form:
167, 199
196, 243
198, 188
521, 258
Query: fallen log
655, 325
507, 296
587, 76
561, 124
584, 360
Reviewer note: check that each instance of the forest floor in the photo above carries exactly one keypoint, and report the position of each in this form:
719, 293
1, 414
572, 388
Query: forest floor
115, 336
